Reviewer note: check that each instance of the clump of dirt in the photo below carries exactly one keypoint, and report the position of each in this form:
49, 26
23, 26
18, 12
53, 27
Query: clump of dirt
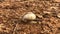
46, 11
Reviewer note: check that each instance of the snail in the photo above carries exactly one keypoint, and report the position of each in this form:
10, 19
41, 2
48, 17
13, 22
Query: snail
29, 16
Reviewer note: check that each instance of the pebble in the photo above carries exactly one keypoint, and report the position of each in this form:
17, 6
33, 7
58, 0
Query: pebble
58, 15
57, 0
39, 22
38, 15
46, 12
29, 16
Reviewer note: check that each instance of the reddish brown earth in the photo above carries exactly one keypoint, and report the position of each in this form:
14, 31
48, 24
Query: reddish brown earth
46, 11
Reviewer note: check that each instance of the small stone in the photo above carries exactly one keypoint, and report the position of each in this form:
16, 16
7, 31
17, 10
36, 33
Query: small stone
29, 16
57, 0
46, 12
58, 15
39, 22
39, 16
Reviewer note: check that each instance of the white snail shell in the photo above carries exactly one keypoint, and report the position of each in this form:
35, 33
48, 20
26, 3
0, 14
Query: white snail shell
29, 16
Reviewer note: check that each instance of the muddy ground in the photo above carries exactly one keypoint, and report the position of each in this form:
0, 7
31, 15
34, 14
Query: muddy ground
46, 11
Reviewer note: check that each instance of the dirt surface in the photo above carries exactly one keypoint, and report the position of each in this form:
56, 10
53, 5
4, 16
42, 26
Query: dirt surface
46, 11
